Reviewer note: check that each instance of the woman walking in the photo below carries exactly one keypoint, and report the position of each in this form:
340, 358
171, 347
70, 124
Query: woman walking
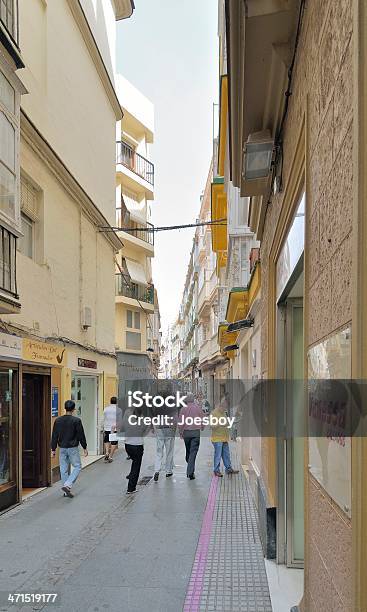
190, 424
220, 439
134, 445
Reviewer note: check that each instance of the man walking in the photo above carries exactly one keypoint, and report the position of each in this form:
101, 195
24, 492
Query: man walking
220, 438
68, 433
190, 425
165, 439
112, 419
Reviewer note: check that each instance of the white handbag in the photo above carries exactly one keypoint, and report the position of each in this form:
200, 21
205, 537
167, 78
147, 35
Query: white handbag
113, 437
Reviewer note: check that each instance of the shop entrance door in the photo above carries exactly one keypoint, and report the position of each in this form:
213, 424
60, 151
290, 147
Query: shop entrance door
290, 446
85, 392
294, 444
36, 434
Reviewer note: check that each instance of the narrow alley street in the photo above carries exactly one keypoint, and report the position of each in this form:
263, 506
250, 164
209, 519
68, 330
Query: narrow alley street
178, 544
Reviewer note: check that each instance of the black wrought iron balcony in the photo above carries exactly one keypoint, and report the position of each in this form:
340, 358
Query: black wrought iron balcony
126, 156
8, 262
144, 231
135, 291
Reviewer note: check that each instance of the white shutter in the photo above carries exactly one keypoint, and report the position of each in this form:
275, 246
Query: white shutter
29, 200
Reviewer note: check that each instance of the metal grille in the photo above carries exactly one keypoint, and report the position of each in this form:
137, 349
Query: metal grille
127, 156
126, 288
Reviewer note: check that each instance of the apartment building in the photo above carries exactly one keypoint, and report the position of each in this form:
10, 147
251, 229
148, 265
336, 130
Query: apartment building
295, 146
137, 313
188, 322
212, 364
58, 205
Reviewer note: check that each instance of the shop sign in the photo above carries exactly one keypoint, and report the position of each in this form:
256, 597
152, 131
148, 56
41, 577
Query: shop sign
55, 402
10, 346
87, 363
330, 456
42, 352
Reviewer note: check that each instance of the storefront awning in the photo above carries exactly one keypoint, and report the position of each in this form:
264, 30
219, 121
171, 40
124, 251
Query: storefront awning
136, 271
219, 212
237, 306
223, 121
226, 339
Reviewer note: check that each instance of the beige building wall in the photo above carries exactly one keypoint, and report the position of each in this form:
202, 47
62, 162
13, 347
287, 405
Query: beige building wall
322, 93
73, 266
68, 101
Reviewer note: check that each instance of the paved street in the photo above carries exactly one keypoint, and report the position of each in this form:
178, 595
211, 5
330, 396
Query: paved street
176, 544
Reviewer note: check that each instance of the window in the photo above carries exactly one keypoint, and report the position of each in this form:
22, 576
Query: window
133, 341
7, 261
8, 16
242, 211
133, 319
26, 243
7, 94
7, 167
9, 134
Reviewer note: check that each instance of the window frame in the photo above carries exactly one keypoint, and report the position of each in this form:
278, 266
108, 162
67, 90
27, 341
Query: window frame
12, 223
25, 218
14, 31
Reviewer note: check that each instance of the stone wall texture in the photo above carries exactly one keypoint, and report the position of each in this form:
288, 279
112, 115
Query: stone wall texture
322, 88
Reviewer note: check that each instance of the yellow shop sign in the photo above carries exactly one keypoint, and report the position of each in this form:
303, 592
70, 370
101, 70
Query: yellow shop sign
42, 352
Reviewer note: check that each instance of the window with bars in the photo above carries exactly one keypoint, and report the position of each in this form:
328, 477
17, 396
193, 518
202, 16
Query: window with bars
8, 16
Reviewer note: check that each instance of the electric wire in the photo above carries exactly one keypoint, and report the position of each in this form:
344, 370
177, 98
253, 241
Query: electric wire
163, 228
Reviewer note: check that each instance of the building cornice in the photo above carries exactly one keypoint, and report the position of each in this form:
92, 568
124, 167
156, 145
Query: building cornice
41, 147
90, 41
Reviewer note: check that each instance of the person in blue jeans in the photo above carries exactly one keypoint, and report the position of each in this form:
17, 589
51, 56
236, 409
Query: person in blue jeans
67, 434
220, 438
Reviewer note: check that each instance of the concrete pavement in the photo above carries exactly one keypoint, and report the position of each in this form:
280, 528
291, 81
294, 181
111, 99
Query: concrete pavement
104, 550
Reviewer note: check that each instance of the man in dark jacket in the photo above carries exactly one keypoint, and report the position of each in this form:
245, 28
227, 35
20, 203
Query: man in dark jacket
68, 433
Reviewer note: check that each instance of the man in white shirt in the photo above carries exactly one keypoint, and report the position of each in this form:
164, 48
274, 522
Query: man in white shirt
112, 419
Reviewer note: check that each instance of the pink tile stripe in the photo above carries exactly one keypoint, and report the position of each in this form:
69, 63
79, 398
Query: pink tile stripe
195, 588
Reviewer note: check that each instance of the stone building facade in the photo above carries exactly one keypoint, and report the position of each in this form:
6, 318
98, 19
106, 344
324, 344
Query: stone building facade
318, 184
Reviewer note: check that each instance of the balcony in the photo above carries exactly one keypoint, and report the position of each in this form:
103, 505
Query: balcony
135, 162
141, 231
133, 291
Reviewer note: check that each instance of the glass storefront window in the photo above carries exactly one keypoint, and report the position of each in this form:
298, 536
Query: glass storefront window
292, 249
6, 426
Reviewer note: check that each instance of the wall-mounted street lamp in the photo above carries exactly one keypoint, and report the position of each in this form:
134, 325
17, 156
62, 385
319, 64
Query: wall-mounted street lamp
258, 156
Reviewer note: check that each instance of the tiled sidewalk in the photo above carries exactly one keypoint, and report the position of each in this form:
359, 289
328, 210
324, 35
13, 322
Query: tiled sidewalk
229, 570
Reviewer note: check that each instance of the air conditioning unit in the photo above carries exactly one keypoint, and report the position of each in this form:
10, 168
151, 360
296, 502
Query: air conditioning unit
86, 317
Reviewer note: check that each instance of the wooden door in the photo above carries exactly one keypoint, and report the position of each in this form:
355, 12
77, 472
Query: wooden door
33, 443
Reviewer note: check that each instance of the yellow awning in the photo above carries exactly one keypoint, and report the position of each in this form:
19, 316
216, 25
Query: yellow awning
226, 338
237, 305
219, 211
223, 122
254, 284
